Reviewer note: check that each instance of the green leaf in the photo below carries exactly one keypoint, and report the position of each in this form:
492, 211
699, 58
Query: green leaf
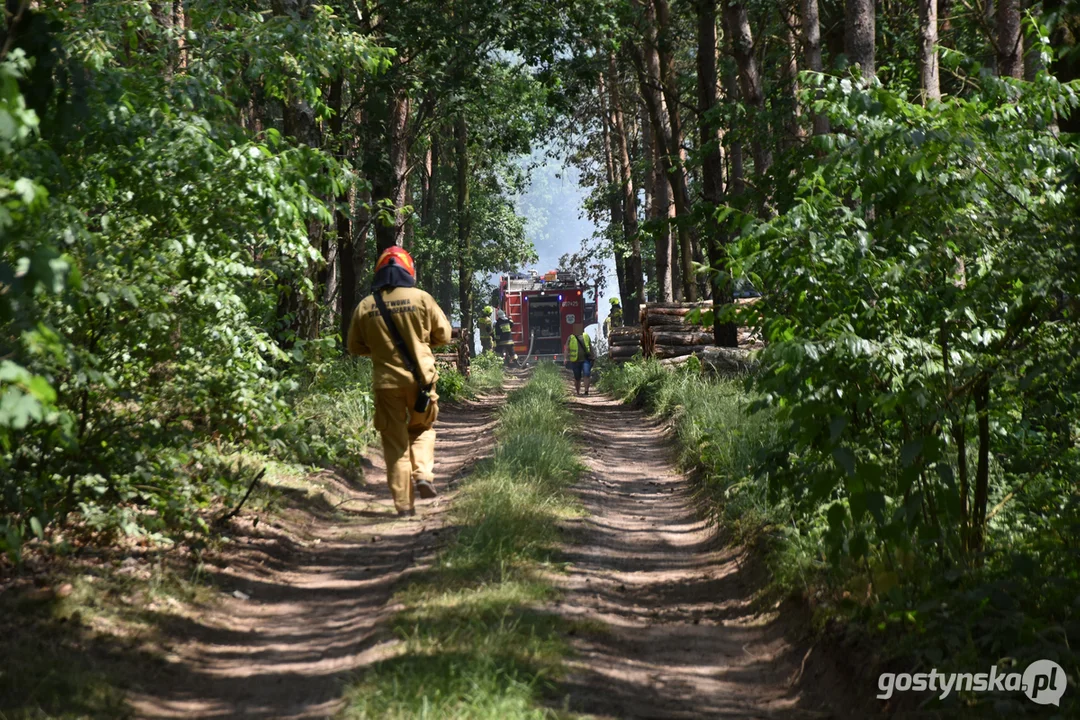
844, 458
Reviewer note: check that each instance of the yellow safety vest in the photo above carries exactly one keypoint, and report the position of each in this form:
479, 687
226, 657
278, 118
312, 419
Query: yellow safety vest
572, 353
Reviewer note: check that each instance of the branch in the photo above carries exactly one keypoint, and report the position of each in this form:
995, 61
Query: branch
236, 510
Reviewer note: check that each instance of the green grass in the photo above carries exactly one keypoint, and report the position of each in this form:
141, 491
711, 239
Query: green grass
478, 641
485, 374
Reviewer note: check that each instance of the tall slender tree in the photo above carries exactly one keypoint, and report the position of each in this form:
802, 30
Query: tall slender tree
859, 34
811, 28
1009, 46
928, 56
712, 166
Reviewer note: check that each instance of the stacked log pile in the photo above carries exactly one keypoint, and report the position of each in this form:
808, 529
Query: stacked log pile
448, 354
624, 343
666, 333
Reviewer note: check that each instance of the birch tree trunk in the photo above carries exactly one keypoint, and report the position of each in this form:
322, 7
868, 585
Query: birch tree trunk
461, 143
928, 57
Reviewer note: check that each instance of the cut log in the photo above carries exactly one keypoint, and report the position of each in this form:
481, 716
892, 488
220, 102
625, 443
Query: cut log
667, 321
671, 351
615, 342
676, 361
624, 352
677, 306
727, 360
677, 337
624, 332
680, 312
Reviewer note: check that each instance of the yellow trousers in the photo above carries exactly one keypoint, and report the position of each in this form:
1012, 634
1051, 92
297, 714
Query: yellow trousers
408, 440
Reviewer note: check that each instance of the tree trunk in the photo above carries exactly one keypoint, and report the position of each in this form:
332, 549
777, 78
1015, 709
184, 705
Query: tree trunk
981, 394
859, 32
736, 184
634, 280
796, 132
647, 63
664, 215
742, 43
669, 83
811, 27
928, 58
1010, 57
461, 142
615, 200
392, 184
712, 165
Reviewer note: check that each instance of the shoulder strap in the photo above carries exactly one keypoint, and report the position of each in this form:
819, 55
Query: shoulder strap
399, 342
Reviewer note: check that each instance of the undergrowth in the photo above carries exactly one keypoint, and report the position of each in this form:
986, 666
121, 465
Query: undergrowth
477, 641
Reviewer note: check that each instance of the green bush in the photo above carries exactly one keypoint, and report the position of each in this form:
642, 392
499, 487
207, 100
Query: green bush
486, 373
451, 385
332, 416
153, 257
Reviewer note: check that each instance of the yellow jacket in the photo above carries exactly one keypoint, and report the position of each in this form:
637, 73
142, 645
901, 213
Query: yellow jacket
572, 353
421, 323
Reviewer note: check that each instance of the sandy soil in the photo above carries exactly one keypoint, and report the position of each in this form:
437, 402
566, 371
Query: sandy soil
677, 632
318, 586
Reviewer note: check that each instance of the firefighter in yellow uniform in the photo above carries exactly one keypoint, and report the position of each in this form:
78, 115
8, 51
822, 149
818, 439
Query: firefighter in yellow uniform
504, 338
579, 356
484, 323
614, 318
408, 435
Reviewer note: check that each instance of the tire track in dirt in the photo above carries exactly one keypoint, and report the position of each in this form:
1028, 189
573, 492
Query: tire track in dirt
670, 627
319, 582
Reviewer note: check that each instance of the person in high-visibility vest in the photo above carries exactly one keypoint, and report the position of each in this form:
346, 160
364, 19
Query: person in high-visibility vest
614, 318
579, 356
484, 323
504, 337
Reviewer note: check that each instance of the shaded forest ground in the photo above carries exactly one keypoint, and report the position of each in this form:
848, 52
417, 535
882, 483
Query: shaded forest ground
271, 626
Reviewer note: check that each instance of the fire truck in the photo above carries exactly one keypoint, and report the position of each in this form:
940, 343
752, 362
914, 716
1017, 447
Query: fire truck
545, 310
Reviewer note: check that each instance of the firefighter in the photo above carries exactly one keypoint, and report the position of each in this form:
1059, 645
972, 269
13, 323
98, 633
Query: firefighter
579, 357
402, 381
484, 323
504, 337
614, 318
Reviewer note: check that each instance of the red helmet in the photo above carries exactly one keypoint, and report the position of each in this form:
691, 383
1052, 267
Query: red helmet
401, 258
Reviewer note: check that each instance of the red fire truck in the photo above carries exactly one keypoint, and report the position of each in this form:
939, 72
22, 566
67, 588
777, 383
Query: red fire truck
545, 310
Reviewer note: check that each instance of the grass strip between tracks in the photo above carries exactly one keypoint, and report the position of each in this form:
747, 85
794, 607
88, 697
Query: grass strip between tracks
478, 639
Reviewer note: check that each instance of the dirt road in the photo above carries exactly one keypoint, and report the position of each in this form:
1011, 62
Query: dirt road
312, 596
676, 633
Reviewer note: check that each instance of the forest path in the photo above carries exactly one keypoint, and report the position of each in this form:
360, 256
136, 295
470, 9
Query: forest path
318, 584
677, 633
